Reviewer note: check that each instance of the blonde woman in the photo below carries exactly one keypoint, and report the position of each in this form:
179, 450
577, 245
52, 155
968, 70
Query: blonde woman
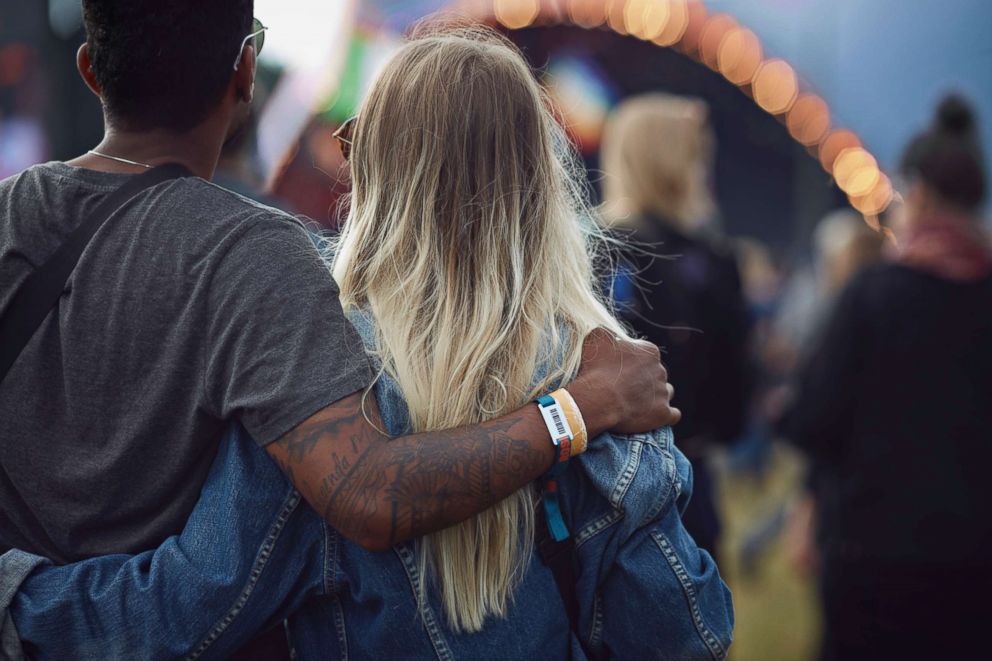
657, 160
465, 264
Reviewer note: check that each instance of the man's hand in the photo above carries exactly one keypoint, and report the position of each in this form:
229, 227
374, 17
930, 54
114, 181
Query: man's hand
622, 386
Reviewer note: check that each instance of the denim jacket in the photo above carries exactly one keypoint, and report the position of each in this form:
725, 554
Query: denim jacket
252, 554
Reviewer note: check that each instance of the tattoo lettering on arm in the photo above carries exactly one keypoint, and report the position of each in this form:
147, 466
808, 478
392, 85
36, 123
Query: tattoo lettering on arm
380, 491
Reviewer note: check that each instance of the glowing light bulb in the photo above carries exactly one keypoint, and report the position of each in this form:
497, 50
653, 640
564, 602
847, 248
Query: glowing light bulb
615, 15
696, 17
856, 171
516, 14
739, 55
876, 200
809, 119
775, 86
837, 141
587, 13
657, 14
678, 23
715, 29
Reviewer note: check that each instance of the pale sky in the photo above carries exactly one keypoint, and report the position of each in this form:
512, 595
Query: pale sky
301, 32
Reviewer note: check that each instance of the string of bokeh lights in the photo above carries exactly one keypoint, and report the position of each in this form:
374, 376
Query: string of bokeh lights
725, 46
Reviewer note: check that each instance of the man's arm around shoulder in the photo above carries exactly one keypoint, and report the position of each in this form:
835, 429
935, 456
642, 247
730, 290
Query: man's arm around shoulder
379, 491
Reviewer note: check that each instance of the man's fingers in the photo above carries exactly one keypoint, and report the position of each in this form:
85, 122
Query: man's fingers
671, 391
676, 416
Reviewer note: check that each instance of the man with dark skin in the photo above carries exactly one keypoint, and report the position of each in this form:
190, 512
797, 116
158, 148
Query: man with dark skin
374, 490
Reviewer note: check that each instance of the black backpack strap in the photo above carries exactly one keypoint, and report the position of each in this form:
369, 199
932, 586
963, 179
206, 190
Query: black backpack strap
41, 290
560, 558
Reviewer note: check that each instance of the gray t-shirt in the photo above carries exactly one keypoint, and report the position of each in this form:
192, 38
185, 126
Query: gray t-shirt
191, 307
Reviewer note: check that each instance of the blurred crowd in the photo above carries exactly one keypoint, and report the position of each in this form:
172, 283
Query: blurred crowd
872, 358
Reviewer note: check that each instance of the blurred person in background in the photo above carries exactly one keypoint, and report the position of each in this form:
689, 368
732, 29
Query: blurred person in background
657, 158
893, 411
762, 285
844, 245
466, 266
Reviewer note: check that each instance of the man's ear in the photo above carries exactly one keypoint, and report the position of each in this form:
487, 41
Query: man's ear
86, 69
244, 77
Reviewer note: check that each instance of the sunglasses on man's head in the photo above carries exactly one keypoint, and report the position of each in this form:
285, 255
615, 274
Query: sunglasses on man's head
258, 34
343, 136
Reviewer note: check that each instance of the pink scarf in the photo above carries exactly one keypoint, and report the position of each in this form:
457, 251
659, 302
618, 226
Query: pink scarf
949, 246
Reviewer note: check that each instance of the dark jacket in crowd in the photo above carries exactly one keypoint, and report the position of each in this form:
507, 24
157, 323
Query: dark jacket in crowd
684, 294
687, 299
895, 411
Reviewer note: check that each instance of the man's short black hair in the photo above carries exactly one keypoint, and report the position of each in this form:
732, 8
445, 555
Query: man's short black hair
164, 63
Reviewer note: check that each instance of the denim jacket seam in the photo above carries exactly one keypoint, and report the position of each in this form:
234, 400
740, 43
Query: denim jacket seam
627, 476
340, 626
648, 438
290, 503
709, 639
330, 585
672, 487
426, 613
596, 629
329, 576
616, 497
597, 526
667, 449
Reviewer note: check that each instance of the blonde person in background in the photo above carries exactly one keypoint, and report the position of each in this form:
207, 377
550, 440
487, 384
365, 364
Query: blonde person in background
680, 287
466, 266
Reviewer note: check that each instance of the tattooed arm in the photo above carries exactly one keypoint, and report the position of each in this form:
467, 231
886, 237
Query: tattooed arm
379, 491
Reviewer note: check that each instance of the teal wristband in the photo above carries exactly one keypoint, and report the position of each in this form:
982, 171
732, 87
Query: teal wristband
561, 438
557, 424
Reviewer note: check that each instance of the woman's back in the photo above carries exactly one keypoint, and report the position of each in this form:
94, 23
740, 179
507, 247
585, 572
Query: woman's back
905, 373
894, 412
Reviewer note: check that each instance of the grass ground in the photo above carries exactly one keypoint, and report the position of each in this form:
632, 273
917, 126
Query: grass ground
776, 610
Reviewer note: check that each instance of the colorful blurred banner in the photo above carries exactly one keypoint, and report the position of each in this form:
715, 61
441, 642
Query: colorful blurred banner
310, 41
397, 15
583, 96
367, 52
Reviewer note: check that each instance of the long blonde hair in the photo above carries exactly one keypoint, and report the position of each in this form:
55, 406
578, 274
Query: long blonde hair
468, 239
656, 157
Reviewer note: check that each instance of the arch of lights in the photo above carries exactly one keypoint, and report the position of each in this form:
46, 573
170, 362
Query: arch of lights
721, 43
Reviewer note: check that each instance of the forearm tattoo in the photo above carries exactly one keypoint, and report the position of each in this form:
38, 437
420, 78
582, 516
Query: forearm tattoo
360, 480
